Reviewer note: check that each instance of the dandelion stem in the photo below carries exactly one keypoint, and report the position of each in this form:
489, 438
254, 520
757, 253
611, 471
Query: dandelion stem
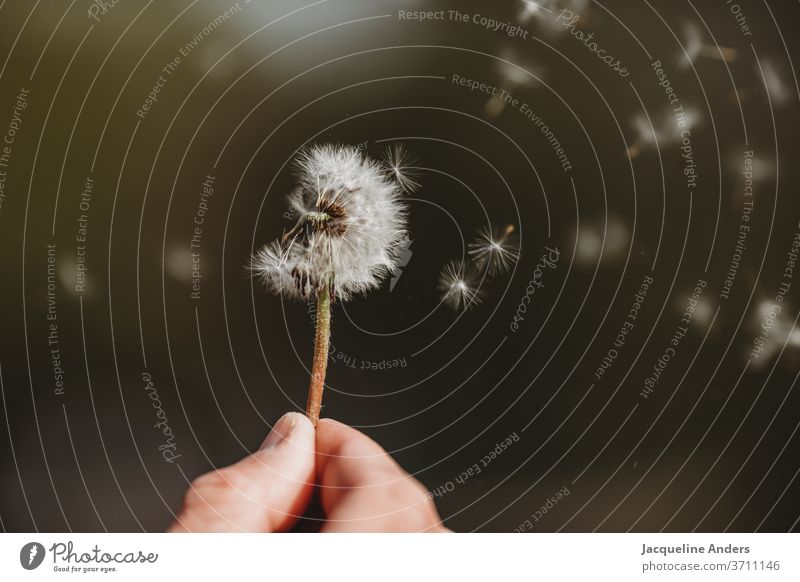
320, 365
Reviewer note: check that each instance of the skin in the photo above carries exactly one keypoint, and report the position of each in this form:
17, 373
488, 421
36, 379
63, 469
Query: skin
361, 488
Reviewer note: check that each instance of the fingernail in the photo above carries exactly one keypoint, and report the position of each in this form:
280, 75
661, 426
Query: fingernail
281, 431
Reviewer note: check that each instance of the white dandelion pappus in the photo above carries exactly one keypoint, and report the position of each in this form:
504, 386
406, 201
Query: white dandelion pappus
459, 286
351, 228
400, 166
495, 250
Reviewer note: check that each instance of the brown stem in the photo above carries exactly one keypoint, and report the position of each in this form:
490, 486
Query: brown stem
320, 365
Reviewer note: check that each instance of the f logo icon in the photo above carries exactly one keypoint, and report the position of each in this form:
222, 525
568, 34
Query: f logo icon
31, 555
403, 258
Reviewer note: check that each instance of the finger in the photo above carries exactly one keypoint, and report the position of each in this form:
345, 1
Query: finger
363, 489
264, 492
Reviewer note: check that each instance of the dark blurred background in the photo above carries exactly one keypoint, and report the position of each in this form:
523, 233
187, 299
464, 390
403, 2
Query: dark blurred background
119, 385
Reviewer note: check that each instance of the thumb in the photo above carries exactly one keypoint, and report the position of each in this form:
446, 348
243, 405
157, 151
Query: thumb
266, 491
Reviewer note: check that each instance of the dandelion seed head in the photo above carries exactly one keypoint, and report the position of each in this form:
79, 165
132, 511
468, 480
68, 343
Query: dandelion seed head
459, 286
350, 231
495, 250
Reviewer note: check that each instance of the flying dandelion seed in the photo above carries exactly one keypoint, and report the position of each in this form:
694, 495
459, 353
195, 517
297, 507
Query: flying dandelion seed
531, 10
460, 286
695, 46
400, 164
777, 89
514, 72
794, 338
664, 131
350, 234
495, 250
543, 11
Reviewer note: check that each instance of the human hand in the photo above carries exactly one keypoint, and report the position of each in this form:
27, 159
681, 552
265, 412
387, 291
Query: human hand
361, 487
